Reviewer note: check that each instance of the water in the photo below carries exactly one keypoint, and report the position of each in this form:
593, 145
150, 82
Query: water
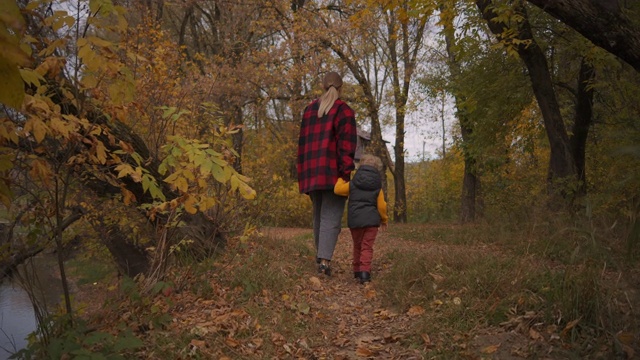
17, 319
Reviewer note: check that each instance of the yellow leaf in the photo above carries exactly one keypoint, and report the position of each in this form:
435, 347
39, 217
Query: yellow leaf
127, 196
31, 77
206, 203
60, 126
99, 42
136, 175
101, 152
189, 205
37, 127
181, 184
124, 170
247, 192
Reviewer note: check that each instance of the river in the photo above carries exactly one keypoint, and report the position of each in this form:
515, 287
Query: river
17, 319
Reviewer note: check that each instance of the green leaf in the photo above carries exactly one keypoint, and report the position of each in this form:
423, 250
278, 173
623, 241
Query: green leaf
218, 173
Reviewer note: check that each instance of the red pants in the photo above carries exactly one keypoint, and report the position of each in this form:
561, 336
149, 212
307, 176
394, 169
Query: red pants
363, 239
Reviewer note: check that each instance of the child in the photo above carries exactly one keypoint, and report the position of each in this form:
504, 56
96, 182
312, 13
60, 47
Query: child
366, 211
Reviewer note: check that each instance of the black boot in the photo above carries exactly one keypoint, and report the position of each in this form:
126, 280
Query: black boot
365, 277
356, 274
324, 269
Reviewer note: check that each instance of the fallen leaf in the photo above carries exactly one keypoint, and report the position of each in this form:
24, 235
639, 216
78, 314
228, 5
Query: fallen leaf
198, 343
364, 352
437, 278
303, 308
436, 303
534, 334
383, 314
625, 337
490, 349
570, 326
257, 342
232, 342
315, 283
426, 339
370, 294
457, 300
277, 339
415, 310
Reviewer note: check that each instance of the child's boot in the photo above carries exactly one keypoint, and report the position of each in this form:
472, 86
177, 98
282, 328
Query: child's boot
365, 277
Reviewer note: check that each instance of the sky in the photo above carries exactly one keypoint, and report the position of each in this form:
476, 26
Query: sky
423, 132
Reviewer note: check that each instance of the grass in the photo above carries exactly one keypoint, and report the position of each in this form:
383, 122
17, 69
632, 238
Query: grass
497, 274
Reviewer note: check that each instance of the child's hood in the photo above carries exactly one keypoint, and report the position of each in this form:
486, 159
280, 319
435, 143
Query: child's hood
367, 178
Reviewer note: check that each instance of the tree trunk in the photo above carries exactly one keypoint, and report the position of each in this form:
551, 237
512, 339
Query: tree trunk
582, 122
601, 21
471, 181
562, 169
470, 184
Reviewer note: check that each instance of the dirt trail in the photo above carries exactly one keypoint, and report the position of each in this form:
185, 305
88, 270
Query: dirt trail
358, 326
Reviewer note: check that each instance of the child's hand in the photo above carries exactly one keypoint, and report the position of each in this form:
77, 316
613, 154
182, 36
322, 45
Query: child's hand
383, 227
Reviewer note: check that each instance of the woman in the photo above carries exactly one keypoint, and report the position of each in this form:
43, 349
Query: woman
326, 148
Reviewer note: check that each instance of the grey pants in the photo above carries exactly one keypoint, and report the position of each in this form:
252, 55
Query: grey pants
327, 221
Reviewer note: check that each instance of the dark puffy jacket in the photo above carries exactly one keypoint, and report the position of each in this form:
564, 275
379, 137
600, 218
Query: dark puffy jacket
363, 198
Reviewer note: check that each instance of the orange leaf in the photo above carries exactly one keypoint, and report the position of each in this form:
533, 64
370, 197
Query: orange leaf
490, 349
570, 326
198, 343
534, 334
415, 310
232, 342
364, 352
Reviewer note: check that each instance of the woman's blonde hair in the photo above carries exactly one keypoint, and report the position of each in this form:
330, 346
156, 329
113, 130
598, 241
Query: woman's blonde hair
371, 160
332, 84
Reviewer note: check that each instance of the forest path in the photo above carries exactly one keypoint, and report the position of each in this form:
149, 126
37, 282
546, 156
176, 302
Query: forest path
356, 324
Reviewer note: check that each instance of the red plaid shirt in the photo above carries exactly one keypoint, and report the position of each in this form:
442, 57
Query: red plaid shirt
326, 146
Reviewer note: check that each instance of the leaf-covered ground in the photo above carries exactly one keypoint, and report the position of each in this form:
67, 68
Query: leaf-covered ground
264, 299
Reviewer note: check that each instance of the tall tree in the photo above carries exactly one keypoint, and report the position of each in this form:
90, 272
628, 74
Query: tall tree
562, 166
404, 43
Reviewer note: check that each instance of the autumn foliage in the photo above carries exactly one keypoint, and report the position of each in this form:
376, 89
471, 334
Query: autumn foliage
160, 137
